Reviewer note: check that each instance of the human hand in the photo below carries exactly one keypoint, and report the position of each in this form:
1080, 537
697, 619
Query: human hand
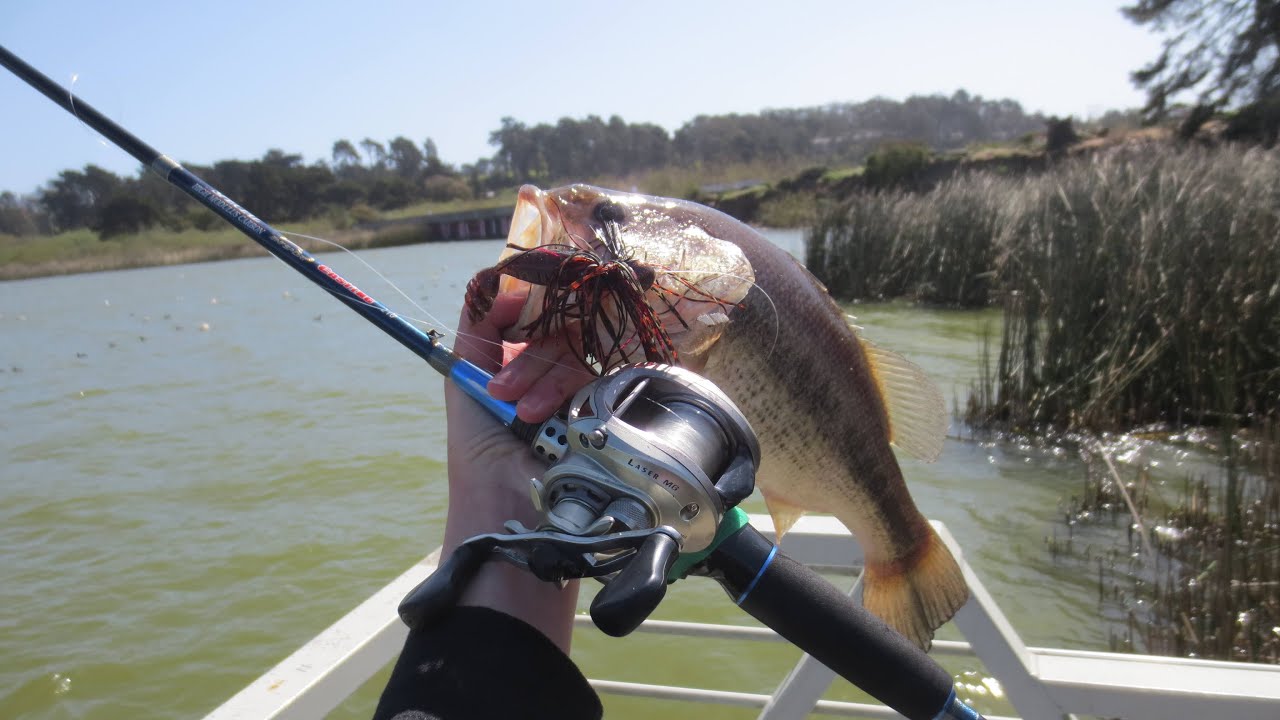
489, 468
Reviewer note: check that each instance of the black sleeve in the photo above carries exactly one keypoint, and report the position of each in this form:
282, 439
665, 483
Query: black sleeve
478, 663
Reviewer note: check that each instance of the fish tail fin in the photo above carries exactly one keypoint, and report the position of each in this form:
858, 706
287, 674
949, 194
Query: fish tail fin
918, 595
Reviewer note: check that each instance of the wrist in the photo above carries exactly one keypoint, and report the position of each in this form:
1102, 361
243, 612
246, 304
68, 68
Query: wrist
506, 588
483, 507
474, 513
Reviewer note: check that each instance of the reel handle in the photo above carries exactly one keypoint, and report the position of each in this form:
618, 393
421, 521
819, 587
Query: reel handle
442, 589
637, 589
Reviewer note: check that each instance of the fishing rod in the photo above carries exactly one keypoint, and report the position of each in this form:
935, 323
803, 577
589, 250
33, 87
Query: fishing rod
646, 470
426, 345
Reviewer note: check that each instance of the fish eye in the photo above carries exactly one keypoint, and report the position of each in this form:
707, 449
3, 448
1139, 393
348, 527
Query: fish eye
607, 212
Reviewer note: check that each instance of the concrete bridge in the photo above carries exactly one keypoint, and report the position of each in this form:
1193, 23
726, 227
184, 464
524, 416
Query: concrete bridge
481, 224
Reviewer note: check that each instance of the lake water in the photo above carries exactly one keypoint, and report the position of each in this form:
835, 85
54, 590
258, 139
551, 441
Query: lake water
206, 465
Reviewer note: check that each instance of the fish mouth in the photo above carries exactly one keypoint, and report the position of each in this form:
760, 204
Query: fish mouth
535, 221
536, 217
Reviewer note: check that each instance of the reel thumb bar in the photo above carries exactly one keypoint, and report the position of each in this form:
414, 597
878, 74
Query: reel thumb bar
471, 379
814, 616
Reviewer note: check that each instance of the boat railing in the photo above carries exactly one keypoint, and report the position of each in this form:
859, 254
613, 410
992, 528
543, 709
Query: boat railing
1037, 682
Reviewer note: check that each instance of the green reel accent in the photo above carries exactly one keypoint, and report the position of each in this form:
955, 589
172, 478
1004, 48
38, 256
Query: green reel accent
730, 524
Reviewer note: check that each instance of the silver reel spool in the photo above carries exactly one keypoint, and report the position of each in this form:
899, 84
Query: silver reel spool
646, 446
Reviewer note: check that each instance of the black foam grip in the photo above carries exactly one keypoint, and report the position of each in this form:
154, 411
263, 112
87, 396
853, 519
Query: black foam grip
807, 610
630, 597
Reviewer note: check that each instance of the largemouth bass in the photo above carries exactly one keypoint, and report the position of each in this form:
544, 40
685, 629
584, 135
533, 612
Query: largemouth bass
825, 403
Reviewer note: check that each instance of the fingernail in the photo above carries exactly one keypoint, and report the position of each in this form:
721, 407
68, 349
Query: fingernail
501, 381
531, 408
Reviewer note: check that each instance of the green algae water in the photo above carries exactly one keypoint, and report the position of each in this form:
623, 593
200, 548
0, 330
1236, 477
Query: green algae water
206, 465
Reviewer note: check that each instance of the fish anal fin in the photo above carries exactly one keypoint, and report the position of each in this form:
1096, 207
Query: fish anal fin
918, 595
784, 514
917, 413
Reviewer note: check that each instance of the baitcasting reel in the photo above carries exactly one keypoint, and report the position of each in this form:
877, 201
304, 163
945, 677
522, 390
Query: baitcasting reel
644, 466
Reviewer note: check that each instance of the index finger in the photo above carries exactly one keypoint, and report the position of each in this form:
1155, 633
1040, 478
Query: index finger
480, 342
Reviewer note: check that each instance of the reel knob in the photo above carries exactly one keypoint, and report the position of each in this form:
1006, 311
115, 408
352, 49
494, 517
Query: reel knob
632, 595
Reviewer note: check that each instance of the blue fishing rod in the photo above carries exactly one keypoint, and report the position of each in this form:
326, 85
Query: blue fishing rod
646, 470
426, 345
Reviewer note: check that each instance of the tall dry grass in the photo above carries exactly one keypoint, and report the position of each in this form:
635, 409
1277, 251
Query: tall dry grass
1138, 286
936, 247
1205, 580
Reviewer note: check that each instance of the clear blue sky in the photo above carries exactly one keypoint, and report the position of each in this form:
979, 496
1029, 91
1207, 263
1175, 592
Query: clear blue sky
219, 80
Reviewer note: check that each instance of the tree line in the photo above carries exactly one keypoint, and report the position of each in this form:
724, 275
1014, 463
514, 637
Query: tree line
1224, 55
831, 134
370, 175
279, 186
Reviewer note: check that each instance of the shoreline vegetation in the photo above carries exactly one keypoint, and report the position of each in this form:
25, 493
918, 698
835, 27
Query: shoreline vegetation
777, 193
1196, 572
82, 251
142, 251
1140, 289
368, 181
1139, 285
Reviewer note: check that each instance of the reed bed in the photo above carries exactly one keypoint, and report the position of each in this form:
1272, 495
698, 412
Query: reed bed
1208, 584
1139, 286
1140, 289
935, 247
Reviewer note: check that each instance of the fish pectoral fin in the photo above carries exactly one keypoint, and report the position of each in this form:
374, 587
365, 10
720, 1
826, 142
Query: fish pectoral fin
917, 414
784, 514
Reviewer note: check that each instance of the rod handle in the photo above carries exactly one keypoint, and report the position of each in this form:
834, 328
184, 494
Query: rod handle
810, 612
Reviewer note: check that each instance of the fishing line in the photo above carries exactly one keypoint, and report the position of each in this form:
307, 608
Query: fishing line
429, 323
432, 322
424, 344
773, 309
684, 421
86, 127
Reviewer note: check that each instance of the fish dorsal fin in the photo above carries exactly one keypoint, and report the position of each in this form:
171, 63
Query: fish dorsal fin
917, 414
784, 514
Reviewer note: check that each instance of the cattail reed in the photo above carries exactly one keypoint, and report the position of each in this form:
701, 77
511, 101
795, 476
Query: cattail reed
935, 247
1139, 286
1144, 289
1140, 289
1211, 589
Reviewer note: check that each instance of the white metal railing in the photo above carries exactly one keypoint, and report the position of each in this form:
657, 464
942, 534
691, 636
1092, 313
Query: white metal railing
1038, 682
